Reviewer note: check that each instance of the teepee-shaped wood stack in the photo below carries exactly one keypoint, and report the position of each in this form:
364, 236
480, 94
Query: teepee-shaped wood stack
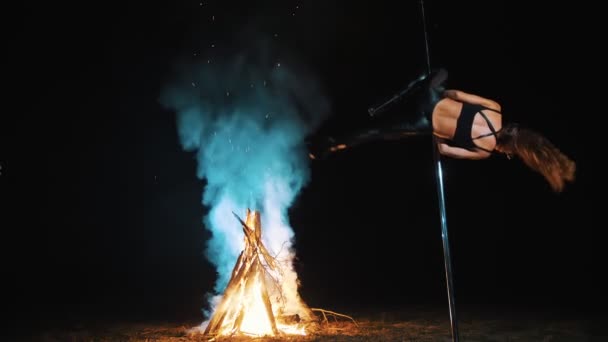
245, 307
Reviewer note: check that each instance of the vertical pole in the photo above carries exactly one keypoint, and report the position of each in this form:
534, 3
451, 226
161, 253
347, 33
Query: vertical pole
447, 258
440, 194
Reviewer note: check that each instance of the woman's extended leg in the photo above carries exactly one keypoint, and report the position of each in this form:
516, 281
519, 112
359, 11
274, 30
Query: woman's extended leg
322, 147
420, 97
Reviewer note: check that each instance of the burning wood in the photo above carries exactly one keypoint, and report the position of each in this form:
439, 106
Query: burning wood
261, 297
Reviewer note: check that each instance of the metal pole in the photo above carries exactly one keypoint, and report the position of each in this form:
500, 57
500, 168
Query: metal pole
440, 194
447, 258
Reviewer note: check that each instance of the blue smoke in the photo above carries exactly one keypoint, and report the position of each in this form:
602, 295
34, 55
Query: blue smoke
246, 121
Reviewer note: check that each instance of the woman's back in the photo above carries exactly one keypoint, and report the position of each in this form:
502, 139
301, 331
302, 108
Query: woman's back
468, 124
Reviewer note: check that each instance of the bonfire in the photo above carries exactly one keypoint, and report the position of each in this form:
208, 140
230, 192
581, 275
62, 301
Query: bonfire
261, 298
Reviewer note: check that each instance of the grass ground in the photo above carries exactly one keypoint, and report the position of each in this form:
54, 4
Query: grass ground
381, 326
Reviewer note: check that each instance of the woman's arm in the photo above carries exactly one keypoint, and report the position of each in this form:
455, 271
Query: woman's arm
461, 153
461, 96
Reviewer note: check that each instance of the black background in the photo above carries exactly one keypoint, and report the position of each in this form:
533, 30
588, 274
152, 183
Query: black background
101, 213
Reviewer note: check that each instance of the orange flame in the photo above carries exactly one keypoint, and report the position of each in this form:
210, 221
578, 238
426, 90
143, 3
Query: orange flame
261, 298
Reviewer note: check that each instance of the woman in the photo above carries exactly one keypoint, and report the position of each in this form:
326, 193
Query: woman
467, 126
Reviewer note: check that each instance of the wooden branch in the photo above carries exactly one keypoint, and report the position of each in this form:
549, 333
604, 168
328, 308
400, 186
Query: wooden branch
250, 279
237, 267
332, 313
268, 305
229, 295
254, 239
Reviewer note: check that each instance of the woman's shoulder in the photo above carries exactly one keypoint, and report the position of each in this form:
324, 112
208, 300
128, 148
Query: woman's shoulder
491, 104
463, 96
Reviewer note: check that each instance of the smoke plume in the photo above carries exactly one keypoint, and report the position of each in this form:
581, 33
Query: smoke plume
245, 119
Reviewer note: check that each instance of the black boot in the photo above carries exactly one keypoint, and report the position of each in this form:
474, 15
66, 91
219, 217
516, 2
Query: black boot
430, 93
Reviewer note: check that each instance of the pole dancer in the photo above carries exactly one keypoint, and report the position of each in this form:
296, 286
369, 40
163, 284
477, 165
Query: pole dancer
463, 126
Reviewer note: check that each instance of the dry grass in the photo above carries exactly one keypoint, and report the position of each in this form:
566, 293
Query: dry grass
381, 327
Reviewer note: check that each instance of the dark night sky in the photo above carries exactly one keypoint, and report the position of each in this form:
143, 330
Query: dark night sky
101, 210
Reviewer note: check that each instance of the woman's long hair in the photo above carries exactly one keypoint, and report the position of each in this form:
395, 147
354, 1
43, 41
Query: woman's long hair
538, 153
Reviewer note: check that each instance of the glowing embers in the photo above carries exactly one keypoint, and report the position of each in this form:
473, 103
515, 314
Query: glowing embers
257, 300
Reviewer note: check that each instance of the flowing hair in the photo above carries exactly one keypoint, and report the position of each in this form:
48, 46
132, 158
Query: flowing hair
538, 153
